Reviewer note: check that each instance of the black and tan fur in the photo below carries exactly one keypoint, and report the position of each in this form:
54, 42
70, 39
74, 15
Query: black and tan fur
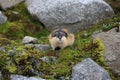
61, 38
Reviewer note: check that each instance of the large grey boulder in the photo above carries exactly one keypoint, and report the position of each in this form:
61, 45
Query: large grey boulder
3, 18
19, 77
72, 14
89, 70
5, 4
111, 40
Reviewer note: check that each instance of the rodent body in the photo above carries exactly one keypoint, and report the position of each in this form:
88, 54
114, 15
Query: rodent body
61, 38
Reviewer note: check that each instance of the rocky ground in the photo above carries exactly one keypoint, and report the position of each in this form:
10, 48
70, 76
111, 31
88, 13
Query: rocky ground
25, 53
111, 40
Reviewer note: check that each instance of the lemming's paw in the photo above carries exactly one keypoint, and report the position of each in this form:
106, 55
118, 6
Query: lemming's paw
57, 48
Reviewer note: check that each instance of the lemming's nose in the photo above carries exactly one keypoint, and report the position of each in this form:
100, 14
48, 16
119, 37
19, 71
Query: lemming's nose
60, 37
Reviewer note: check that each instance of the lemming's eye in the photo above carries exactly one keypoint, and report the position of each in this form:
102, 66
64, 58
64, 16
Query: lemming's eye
64, 34
53, 35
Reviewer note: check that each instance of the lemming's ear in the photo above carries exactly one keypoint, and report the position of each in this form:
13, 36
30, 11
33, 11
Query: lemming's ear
53, 34
65, 30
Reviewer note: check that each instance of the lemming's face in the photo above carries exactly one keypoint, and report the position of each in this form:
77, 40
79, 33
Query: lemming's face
59, 35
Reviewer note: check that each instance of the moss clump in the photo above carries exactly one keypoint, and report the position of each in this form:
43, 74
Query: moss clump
12, 30
27, 60
3, 60
4, 41
98, 52
12, 15
106, 27
11, 67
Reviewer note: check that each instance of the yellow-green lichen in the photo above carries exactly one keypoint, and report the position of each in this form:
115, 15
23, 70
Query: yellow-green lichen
98, 52
11, 67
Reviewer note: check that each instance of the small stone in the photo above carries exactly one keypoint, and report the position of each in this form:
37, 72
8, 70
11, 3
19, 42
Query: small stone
53, 59
33, 78
62, 78
67, 78
3, 18
15, 47
28, 39
49, 59
37, 73
11, 53
29, 45
19, 77
14, 12
2, 49
42, 47
45, 59
0, 76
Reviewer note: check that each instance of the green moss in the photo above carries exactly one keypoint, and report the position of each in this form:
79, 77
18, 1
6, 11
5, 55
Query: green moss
26, 61
98, 52
12, 30
62, 70
20, 48
3, 60
4, 41
11, 67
